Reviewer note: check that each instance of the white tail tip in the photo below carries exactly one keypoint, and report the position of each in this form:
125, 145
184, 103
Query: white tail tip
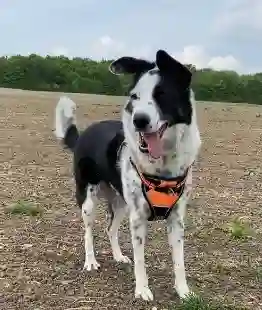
65, 116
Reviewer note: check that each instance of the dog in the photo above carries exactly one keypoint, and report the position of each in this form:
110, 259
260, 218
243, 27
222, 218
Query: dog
141, 165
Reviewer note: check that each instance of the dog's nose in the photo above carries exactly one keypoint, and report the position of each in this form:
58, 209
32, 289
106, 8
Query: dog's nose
141, 121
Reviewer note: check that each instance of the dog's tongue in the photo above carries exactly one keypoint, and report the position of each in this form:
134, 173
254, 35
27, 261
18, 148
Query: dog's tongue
155, 145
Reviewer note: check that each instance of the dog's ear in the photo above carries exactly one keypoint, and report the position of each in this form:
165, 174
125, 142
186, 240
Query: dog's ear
174, 68
130, 65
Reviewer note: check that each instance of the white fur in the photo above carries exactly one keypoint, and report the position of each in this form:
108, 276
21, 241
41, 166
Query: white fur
177, 160
88, 214
146, 101
96, 195
64, 115
187, 138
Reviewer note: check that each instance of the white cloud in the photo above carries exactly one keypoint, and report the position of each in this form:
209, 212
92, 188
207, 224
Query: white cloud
59, 50
106, 40
199, 57
193, 54
228, 62
245, 15
108, 48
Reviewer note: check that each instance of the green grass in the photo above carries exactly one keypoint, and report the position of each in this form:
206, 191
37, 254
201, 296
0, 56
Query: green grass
193, 302
239, 229
259, 274
23, 207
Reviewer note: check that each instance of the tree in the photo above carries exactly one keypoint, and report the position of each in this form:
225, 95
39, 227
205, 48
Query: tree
84, 75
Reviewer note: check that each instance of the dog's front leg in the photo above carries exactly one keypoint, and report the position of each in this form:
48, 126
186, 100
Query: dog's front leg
138, 227
176, 240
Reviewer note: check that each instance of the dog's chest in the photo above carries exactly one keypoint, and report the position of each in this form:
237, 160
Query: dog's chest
167, 166
161, 193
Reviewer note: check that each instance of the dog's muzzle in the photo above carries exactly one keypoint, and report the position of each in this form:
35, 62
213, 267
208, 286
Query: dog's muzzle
141, 121
150, 142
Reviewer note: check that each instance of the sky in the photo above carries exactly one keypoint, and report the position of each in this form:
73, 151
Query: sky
225, 34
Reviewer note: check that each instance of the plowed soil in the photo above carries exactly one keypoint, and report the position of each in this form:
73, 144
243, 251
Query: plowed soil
42, 257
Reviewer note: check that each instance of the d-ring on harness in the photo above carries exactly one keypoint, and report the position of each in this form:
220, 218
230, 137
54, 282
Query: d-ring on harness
162, 194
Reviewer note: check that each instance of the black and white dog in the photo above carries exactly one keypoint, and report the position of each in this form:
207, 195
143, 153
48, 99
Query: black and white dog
141, 165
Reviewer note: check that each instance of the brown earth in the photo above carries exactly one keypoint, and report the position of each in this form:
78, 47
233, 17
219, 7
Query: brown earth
42, 257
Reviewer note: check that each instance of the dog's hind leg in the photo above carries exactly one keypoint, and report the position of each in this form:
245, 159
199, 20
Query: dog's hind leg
88, 214
117, 212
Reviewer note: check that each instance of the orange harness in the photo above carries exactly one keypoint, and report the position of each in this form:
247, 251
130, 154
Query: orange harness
162, 194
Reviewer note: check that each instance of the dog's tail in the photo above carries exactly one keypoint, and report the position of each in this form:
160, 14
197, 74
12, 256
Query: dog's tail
65, 122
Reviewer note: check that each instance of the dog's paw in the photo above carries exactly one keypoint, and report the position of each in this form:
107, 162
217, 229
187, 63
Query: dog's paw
144, 293
90, 264
190, 294
123, 259
184, 292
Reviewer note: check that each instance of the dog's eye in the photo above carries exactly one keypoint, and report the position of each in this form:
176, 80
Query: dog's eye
134, 96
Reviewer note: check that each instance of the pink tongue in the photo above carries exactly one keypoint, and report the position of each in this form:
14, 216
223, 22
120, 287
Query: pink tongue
155, 145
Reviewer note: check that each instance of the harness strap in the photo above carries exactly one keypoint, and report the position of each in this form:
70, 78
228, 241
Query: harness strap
161, 195
163, 183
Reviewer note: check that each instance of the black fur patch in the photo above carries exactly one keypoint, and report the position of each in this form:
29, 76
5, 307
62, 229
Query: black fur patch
139, 240
129, 107
173, 102
95, 157
110, 215
71, 137
172, 92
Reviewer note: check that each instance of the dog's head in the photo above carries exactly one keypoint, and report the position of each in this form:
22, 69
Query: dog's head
159, 101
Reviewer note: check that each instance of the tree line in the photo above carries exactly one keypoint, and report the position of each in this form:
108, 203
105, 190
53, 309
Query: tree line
83, 75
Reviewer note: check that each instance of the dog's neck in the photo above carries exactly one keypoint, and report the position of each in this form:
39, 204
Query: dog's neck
175, 161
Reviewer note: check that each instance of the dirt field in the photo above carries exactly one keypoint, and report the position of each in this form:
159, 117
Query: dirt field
42, 256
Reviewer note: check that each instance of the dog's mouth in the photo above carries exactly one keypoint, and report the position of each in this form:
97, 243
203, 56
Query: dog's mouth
151, 141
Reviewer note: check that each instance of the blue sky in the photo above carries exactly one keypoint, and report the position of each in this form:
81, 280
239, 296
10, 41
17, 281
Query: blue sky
225, 34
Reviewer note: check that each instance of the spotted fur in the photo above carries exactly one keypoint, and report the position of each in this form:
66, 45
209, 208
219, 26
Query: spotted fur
161, 93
